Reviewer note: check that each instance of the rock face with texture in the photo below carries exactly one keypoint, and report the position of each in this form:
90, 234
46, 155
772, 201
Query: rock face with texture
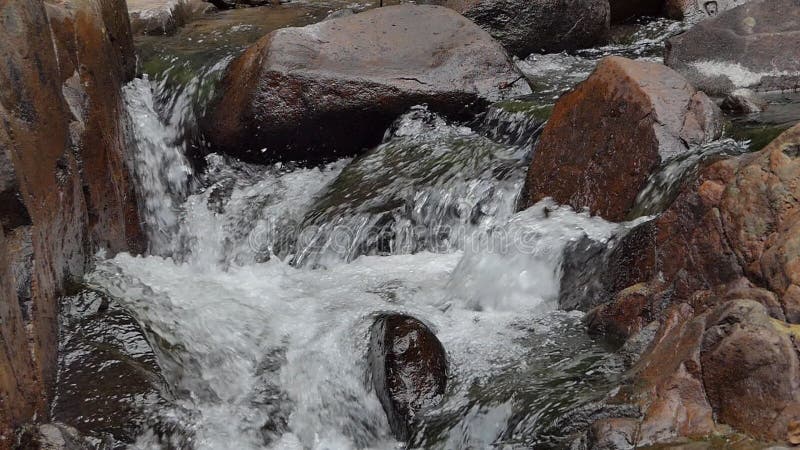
738, 220
159, 17
539, 26
756, 46
724, 288
697, 10
606, 136
63, 136
333, 88
408, 368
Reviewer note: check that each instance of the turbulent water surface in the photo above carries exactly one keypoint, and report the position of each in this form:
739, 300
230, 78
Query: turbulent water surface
261, 282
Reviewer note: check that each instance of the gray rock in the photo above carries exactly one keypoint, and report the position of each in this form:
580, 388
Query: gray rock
743, 101
539, 26
694, 11
755, 46
332, 88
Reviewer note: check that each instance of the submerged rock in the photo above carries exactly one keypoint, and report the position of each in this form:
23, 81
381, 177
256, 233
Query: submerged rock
609, 134
529, 26
409, 194
57, 436
109, 379
743, 101
332, 88
408, 366
755, 46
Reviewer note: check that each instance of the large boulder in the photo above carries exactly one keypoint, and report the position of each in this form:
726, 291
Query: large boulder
408, 367
724, 286
65, 185
737, 220
607, 135
756, 46
697, 10
333, 88
539, 26
751, 370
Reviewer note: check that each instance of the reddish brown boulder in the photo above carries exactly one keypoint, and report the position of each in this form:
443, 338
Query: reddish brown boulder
629, 313
333, 88
751, 370
62, 136
725, 268
408, 367
732, 364
539, 26
606, 136
668, 382
739, 219
756, 46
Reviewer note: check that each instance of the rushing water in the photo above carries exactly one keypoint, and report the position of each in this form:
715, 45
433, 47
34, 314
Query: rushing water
262, 282
261, 333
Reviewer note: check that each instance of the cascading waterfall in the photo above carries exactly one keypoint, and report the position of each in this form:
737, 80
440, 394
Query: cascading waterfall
262, 281
261, 332
160, 167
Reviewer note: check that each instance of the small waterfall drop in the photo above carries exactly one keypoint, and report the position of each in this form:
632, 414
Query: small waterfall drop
161, 169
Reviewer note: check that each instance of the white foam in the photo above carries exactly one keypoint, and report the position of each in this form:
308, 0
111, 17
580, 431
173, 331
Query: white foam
740, 76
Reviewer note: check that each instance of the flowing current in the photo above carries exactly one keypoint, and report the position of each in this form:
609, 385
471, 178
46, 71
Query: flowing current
262, 282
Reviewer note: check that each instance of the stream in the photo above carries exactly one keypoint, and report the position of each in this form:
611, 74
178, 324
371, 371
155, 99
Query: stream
261, 283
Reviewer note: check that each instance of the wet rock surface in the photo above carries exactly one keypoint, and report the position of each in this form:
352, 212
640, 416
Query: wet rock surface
57, 436
583, 157
405, 195
752, 46
408, 368
63, 132
109, 379
332, 88
723, 289
528, 26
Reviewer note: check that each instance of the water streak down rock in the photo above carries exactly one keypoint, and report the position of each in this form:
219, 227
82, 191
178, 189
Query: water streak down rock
606, 136
63, 142
332, 88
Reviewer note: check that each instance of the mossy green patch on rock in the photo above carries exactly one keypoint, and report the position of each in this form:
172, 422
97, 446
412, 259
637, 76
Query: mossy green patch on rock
532, 108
